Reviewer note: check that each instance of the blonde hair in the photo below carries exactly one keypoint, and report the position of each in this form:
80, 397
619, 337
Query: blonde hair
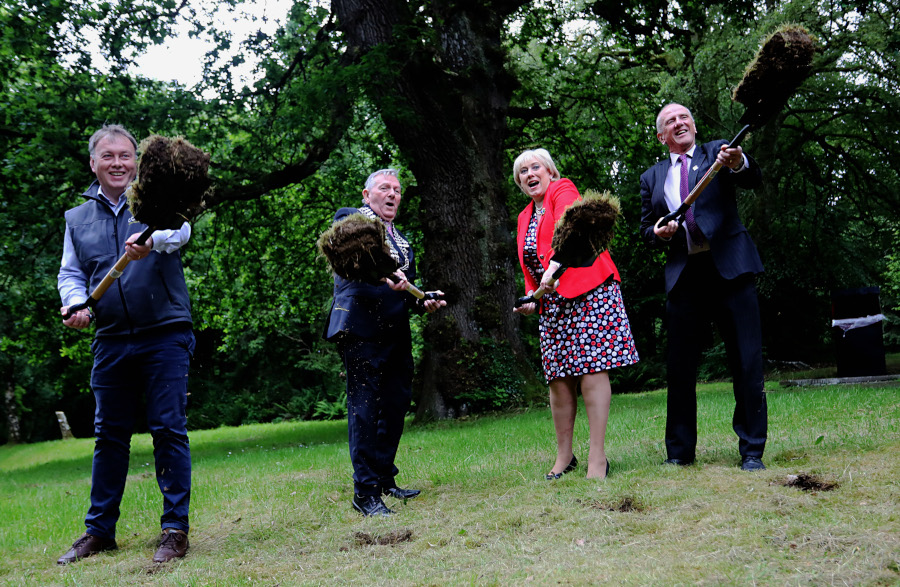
542, 156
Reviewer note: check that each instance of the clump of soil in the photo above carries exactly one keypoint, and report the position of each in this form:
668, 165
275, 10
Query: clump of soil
808, 482
356, 249
624, 505
390, 539
781, 65
172, 181
586, 228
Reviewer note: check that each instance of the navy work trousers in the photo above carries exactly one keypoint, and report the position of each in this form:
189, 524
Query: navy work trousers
153, 365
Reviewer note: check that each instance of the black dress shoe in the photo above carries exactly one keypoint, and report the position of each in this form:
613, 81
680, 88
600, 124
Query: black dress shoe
752, 464
571, 467
399, 493
679, 462
370, 505
86, 546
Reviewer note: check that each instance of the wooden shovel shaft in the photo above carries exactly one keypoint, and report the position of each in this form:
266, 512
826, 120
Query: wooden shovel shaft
111, 276
701, 185
415, 291
541, 290
422, 295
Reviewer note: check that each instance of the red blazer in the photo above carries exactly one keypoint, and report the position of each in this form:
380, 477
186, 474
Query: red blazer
577, 280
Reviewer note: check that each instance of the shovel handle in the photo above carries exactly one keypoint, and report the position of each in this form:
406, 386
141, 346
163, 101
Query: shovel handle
678, 214
540, 291
108, 280
421, 294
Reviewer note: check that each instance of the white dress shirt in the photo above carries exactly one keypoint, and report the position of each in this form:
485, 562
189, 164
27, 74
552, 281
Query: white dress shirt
673, 194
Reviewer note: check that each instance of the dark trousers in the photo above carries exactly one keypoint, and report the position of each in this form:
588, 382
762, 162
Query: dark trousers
156, 366
379, 393
700, 297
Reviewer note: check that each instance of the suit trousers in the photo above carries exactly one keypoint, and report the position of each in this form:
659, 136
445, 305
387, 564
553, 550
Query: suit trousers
700, 297
155, 365
379, 393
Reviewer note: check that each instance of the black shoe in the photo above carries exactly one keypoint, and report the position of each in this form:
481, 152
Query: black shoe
399, 493
679, 462
370, 505
607, 467
752, 464
571, 467
86, 546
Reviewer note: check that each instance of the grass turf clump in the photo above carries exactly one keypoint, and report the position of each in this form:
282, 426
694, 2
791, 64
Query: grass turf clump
172, 181
782, 63
585, 229
357, 249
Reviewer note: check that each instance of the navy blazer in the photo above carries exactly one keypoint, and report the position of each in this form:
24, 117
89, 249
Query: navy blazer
715, 211
369, 311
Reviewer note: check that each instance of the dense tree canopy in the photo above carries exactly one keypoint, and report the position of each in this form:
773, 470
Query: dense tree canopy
450, 92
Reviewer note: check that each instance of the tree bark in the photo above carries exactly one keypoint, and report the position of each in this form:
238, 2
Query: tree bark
446, 105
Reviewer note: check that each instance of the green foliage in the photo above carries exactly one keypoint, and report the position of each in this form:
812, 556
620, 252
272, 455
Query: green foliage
589, 77
490, 378
890, 294
829, 189
332, 410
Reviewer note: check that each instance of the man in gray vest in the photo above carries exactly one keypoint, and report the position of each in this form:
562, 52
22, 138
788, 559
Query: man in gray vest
142, 345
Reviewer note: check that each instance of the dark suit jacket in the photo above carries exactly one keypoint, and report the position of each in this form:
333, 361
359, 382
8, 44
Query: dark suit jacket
369, 311
715, 211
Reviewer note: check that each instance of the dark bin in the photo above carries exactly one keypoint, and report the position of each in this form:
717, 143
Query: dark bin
860, 349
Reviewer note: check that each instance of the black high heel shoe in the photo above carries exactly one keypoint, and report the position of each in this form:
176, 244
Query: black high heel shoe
571, 467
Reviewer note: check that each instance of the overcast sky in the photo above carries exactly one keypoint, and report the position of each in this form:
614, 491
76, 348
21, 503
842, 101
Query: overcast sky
181, 58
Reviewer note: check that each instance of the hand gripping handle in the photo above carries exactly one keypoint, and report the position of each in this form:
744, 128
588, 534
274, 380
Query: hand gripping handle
108, 280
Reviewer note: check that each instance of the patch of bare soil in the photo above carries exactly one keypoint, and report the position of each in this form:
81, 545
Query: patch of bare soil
154, 568
389, 539
808, 482
624, 505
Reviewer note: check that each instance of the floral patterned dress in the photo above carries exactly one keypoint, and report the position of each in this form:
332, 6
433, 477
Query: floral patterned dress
586, 334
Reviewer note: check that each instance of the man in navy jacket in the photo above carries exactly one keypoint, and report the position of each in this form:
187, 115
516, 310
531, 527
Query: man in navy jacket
370, 324
142, 346
711, 264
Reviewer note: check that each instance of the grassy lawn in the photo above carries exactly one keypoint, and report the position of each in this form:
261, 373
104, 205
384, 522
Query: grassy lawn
271, 503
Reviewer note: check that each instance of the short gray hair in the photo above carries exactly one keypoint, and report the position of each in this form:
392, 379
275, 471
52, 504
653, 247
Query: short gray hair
540, 155
109, 130
370, 182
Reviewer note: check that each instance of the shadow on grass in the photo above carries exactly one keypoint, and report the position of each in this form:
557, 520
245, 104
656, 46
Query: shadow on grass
217, 442
64, 459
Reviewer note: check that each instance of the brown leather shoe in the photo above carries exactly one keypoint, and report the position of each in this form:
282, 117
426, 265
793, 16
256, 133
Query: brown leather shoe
86, 546
172, 544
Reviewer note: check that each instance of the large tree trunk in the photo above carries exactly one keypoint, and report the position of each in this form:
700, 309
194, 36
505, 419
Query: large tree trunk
446, 108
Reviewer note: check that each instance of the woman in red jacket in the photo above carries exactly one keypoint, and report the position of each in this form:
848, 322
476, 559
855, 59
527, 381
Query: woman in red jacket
584, 330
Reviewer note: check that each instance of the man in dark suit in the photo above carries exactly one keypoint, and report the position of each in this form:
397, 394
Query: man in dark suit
711, 264
370, 324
